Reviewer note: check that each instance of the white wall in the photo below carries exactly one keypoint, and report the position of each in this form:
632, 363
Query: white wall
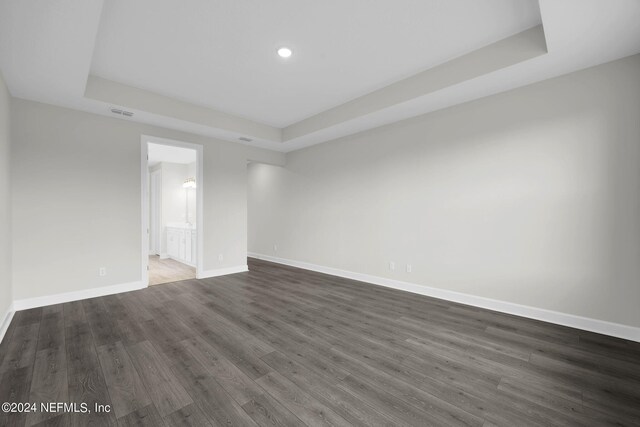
531, 197
5, 203
174, 198
76, 198
154, 171
193, 211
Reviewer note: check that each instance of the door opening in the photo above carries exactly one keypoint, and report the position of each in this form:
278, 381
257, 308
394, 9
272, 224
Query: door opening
172, 219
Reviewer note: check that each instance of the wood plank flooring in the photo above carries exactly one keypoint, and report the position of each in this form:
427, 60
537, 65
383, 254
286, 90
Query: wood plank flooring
283, 346
168, 270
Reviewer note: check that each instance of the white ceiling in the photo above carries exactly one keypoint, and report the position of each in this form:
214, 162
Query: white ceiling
214, 61
222, 54
171, 154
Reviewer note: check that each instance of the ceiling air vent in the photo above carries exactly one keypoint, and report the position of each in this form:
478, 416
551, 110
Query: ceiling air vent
121, 112
245, 139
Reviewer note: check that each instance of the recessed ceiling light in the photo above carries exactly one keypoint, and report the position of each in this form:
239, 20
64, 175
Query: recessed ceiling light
284, 52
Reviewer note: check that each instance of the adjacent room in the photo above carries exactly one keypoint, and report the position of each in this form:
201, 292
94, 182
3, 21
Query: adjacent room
172, 201
303, 213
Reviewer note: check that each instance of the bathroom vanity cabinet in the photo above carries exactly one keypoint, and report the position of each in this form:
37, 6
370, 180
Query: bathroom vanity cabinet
181, 243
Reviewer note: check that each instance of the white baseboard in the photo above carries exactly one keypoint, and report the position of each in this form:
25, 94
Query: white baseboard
163, 256
222, 271
593, 325
24, 304
6, 321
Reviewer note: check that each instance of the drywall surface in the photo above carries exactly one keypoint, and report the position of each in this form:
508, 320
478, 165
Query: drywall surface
5, 202
530, 197
173, 195
173, 198
76, 199
191, 194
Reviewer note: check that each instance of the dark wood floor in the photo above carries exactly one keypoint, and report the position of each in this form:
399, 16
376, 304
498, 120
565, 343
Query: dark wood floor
281, 346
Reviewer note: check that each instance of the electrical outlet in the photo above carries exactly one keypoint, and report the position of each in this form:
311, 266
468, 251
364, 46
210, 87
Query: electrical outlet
102, 271
220, 257
392, 265
409, 268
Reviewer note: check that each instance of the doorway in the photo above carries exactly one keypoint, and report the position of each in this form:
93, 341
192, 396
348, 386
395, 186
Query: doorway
171, 210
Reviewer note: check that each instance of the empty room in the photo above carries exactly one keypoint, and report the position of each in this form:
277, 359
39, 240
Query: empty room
305, 212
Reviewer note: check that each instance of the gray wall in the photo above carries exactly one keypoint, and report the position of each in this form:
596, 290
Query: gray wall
76, 199
5, 202
530, 196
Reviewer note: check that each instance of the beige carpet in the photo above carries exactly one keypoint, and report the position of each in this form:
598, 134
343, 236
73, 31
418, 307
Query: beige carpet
168, 270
